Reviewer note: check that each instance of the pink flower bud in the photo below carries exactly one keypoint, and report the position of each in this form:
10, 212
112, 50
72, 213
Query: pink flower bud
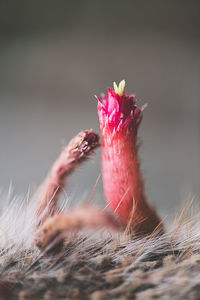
119, 119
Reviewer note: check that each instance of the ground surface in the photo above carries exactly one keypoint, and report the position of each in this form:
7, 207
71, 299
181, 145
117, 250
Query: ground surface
103, 268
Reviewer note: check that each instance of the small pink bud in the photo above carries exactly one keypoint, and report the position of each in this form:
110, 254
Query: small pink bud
119, 119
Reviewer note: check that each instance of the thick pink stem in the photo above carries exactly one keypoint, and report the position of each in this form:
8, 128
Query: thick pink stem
123, 183
123, 186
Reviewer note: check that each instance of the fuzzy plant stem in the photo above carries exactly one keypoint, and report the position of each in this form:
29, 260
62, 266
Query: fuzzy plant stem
77, 151
52, 234
123, 184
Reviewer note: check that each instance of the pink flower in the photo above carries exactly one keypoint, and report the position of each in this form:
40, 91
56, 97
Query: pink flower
119, 119
119, 111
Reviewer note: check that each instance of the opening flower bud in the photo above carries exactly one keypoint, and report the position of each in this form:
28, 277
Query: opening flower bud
119, 119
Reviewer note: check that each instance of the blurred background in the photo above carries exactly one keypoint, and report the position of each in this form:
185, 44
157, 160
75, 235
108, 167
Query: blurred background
56, 55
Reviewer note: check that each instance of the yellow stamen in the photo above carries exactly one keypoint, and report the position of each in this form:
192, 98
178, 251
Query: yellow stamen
115, 87
119, 89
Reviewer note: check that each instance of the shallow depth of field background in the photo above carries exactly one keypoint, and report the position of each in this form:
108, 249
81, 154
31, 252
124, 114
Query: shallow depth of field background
55, 55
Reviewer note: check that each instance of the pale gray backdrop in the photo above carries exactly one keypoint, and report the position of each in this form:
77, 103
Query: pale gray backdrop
55, 55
